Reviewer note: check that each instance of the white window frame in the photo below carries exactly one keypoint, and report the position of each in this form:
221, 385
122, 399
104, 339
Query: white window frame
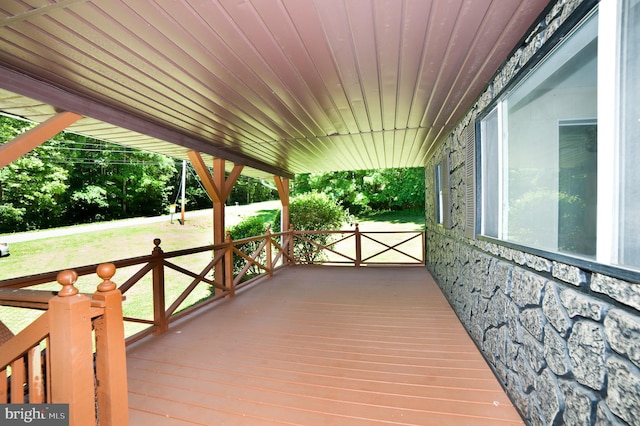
609, 161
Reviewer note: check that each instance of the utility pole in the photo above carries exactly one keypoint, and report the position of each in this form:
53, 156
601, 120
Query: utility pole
183, 185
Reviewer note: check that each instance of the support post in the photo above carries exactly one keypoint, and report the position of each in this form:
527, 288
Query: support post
228, 266
218, 217
111, 362
71, 351
269, 253
292, 240
282, 184
358, 237
159, 315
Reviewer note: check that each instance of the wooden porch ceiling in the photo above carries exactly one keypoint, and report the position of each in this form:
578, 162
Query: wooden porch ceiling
319, 346
280, 86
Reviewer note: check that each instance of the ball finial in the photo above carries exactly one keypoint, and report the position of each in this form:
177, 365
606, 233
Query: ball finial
106, 271
67, 279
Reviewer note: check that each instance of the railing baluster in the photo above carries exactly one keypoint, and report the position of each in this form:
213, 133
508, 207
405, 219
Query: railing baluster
268, 251
36, 379
17, 381
159, 314
227, 261
358, 237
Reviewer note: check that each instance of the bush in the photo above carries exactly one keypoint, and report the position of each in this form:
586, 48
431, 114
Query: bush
249, 227
315, 211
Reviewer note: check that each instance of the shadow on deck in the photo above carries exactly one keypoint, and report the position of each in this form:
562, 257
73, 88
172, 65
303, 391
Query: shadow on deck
319, 345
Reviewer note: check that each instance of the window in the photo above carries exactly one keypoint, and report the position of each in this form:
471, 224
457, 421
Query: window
443, 207
557, 152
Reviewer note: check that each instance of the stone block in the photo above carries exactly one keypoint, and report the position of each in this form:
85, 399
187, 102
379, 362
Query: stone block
527, 288
623, 393
533, 320
556, 353
494, 345
622, 291
533, 352
587, 350
548, 392
496, 311
513, 322
623, 334
604, 417
579, 404
503, 272
518, 396
569, 274
525, 373
554, 311
579, 304
537, 263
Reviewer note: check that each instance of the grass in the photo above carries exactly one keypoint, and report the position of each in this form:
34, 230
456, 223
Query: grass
69, 251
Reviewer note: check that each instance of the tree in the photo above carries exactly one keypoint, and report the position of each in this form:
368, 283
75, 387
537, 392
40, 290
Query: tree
73, 179
31, 193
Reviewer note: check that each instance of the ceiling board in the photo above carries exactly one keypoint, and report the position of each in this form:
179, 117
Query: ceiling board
281, 86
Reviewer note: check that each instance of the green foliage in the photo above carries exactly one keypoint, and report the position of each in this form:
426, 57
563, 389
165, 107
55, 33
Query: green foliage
251, 226
11, 218
315, 211
366, 191
74, 179
36, 187
251, 190
89, 204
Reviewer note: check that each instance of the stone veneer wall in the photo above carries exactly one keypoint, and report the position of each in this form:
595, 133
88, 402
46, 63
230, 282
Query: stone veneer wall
565, 342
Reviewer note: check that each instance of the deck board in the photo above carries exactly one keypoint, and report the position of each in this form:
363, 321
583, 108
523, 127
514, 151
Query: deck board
319, 345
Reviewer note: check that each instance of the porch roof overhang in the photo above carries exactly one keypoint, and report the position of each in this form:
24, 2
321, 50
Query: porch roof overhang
280, 86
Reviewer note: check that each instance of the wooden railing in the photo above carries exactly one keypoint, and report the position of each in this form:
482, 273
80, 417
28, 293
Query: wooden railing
52, 360
157, 289
358, 248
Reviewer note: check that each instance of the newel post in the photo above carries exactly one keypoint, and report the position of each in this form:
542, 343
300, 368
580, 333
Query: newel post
111, 363
159, 315
71, 352
269, 253
228, 265
358, 246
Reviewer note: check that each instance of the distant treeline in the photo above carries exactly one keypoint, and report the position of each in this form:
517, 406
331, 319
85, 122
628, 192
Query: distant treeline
74, 179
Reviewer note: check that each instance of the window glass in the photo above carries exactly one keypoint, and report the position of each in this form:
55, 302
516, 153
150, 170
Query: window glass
491, 174
539, 150
630, 134
439, 204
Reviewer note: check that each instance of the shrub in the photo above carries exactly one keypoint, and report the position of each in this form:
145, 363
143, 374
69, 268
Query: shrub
315, 211
249, 227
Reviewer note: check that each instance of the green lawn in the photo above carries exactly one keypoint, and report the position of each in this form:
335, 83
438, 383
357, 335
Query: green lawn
52, 254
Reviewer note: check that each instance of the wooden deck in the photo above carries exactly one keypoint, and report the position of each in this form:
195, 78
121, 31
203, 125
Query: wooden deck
318, 345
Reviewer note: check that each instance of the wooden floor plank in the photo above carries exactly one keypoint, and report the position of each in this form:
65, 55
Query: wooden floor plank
320, 345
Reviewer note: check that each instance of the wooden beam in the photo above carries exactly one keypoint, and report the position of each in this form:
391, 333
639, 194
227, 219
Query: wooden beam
282, 184
231, 180
20, 83
205, 176
33, 138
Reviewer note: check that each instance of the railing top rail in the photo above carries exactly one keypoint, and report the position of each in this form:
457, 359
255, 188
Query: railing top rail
48, 277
